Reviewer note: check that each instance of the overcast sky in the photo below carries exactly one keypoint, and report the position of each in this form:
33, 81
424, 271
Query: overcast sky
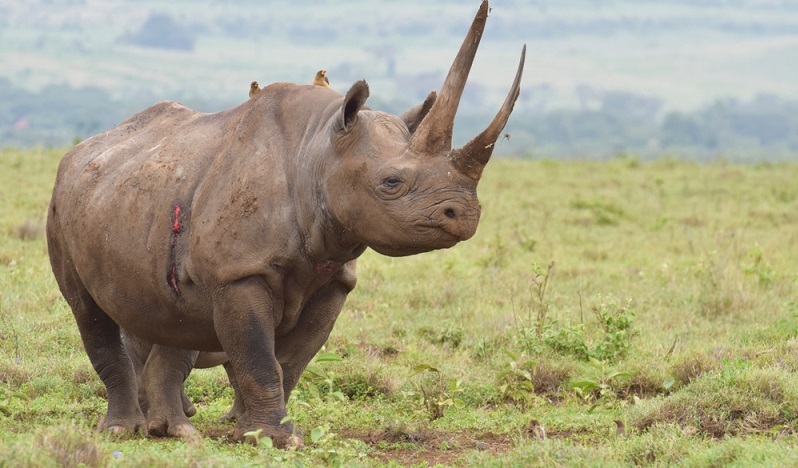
686, 53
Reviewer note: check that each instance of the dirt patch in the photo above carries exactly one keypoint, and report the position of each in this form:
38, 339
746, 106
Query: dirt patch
410, 448
219, 433
426, 446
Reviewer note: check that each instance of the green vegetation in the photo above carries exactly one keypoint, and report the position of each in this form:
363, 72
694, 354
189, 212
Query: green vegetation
611, 313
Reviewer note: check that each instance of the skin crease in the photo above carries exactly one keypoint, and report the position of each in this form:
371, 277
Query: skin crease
239, 232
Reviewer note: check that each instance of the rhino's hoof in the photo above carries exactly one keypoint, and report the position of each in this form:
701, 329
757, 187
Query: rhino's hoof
229, 417
160, 427
118, 428
296, 442
288, 441
232, 415
188, 407
184, 431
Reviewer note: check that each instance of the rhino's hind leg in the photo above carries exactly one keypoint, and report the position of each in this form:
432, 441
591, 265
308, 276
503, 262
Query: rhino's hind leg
238, 405
139, 352
100, 336
162, 378
101, 339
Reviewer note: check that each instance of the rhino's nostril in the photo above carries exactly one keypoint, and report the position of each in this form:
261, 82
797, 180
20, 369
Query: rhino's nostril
449, 213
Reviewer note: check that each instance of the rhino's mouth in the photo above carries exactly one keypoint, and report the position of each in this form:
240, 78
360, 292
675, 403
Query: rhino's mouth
436, 236
425, 238
449, 226
405, 251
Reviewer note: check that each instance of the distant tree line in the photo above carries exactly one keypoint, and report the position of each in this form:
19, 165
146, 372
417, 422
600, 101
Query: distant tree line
765, 127
607, 123
58, 115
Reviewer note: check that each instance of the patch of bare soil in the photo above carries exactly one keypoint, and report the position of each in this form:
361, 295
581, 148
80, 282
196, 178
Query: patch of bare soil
414, 447
219, 433
427, 446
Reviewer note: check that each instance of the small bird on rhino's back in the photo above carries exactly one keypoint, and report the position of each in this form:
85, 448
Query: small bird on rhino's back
321, 79
254, 89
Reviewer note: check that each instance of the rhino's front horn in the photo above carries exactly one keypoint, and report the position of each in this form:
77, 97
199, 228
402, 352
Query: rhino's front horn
434, 134
474, 155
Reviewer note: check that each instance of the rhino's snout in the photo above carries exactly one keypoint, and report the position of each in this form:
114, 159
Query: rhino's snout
459, 220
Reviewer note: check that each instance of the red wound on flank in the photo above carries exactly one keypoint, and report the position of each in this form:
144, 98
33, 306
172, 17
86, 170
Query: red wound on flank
176, 226
171, 274
173, 280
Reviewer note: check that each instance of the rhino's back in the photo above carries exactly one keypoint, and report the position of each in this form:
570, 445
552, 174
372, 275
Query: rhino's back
134, 140
118, 177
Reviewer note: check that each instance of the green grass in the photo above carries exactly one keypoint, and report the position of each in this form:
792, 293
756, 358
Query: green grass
671, 309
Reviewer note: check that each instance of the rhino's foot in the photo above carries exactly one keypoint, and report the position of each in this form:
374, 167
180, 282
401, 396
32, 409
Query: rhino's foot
170, 427
280, 438
230, 416
122, 427
188, 406
234, 414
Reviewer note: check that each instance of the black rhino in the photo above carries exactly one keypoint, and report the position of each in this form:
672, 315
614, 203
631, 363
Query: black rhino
239, 231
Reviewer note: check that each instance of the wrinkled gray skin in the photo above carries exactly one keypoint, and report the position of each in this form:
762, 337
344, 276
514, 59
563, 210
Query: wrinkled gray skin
238, 232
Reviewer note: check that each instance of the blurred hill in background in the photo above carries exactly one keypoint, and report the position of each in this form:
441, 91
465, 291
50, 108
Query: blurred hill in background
694, 79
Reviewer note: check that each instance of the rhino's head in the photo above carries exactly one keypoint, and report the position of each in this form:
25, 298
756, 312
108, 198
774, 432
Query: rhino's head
396, 183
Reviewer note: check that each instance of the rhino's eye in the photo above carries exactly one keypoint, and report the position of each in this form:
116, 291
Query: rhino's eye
393, 185
391, 182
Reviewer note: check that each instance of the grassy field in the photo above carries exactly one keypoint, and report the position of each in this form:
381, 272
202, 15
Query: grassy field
606, 313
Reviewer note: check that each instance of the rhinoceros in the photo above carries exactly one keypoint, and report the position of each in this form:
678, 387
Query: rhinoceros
238, 232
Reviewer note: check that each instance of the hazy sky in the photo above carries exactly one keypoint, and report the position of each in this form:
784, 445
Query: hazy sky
686, 53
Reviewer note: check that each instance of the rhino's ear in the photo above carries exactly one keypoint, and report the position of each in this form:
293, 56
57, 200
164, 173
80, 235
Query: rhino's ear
354, 101
413, 116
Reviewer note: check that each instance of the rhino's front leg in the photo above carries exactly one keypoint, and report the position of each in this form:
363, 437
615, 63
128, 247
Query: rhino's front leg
245, 324
296, 349
162, 380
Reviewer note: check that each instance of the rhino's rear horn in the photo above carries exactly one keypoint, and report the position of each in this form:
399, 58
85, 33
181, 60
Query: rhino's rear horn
434, 134
415, 115
474, 155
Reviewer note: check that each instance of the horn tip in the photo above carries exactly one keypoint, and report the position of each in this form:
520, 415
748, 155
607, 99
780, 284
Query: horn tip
483, 8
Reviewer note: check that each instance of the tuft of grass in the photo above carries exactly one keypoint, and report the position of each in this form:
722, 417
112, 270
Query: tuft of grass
365, 385
646, 379
13, 373
604, 213
64, 445
70, 446
446, 334
550, 376
694, 364
738, 400
662, 444
29, 230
